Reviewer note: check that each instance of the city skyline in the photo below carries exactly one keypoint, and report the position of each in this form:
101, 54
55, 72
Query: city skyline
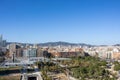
83, 21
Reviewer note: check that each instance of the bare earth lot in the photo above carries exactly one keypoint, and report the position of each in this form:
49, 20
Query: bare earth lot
10, 77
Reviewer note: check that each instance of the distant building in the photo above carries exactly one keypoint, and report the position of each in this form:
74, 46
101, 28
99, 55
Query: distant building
68, 54
39, 52
14, 49
2, 42
116, 56
19, 52
26, 53
32, 52
35, 46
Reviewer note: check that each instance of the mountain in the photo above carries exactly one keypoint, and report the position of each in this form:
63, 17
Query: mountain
56, 44
62, 44
116, 45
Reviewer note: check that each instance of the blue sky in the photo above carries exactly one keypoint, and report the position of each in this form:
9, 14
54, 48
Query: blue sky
77, 21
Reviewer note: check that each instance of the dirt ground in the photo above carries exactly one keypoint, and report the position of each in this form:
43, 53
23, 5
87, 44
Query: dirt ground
10, 77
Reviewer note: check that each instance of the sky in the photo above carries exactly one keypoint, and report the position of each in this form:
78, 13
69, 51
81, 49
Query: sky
76, 21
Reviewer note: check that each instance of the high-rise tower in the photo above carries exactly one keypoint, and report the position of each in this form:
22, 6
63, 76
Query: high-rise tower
1, 40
